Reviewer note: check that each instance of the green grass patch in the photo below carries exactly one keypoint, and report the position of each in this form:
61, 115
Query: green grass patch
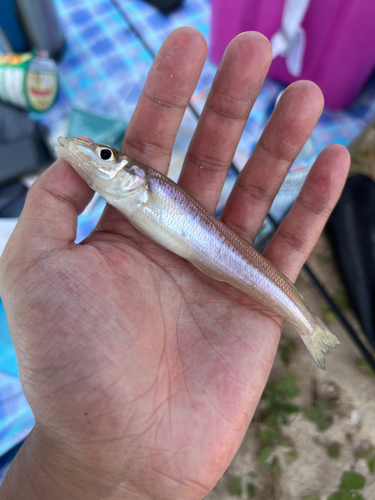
326, 256
322, 420
328, 315
250, 490
342, 299
288, 386
235, 487
334, 449
288, 348
371, 463
367, 453
345, 495
350, 483
364, 367
275, 413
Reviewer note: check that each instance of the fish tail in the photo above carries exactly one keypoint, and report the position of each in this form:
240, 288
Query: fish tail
319, 341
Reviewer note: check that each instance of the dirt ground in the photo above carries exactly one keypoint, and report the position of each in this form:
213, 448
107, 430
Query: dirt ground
314, 433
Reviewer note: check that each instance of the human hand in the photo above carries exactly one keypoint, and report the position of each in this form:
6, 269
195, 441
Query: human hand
143, 373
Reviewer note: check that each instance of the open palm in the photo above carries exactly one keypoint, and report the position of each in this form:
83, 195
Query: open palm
142, 372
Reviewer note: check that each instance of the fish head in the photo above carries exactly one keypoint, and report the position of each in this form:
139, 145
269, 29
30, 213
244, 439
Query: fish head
105, 169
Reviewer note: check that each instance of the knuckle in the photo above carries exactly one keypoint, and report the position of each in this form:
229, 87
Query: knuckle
294, 239
166, 100
315, 205
255, 191
148, 149
239, 229
227, 114
279, 153
207, 162
227, 107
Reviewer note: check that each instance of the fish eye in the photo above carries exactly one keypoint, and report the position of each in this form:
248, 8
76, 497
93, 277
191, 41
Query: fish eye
106, 154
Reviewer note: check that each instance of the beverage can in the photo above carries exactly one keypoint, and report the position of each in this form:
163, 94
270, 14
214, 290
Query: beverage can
28, 80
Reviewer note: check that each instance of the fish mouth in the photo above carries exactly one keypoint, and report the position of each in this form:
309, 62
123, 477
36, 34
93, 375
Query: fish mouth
62, 141
66, 141
67, 151
66, 148
61, 149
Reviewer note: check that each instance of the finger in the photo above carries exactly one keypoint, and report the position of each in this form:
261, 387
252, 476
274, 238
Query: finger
49, 217
151, 133
288, 129
233, 93
170, 84
298, 233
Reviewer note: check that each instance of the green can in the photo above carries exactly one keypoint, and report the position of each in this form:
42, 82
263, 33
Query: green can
28, 80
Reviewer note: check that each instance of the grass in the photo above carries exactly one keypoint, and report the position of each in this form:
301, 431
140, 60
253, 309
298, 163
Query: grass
320, 413
288, 348
351, 482
236, 489
364, 367
334, 449
277, 408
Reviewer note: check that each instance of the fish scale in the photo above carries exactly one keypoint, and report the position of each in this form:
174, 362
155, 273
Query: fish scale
169, 216
222, 250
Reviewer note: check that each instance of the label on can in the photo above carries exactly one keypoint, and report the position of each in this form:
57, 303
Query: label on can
28, 80
41, 83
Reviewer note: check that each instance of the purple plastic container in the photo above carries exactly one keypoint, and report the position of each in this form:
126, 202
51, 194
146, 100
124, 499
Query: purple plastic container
340, 41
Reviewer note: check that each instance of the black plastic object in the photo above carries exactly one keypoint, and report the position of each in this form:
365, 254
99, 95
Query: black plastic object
12, 199
22, 147
165, 5
15, 124
23, 157
351, 229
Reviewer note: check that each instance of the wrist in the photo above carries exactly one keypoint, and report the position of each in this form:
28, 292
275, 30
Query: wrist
42, 470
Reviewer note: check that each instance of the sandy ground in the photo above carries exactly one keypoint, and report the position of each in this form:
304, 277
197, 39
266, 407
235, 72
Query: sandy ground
310, 471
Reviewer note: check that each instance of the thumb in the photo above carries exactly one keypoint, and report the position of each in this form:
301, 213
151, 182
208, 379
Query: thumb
49, 217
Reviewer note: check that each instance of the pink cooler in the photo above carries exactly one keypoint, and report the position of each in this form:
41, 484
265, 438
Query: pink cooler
336, 44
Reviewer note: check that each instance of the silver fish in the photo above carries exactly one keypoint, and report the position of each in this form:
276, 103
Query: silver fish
166, 214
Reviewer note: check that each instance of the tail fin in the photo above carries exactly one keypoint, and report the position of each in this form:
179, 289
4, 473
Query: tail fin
319, 341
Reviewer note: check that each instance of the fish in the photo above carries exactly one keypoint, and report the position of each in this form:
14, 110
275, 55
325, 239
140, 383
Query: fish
169, 216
